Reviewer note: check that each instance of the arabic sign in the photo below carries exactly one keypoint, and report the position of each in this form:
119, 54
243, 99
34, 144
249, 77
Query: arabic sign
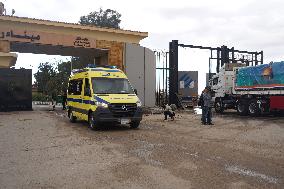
46, 38
11, 34
188, 83
82, 42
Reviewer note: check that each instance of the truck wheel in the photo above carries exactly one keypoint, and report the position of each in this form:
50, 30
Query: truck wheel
219, 108
91, 120
242, 108
253, 108
72, 118
134, 124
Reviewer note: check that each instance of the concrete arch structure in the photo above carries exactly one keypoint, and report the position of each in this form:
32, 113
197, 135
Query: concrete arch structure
26, 35
103, 45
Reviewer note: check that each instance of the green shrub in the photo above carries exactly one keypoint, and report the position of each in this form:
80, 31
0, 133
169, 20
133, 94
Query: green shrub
40, 97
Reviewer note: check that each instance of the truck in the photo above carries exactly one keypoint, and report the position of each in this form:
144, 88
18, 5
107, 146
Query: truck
251, 90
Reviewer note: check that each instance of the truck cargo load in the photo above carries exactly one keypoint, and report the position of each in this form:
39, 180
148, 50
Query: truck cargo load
266, 76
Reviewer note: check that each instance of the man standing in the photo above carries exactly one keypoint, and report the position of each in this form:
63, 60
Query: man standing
64, 98
201, 104
206, 109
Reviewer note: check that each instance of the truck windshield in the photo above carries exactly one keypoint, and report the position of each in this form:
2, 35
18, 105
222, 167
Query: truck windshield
111, 86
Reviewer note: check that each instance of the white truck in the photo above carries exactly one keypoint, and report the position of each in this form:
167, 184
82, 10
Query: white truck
249, 90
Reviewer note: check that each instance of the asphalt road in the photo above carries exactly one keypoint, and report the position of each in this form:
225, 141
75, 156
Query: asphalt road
41, 149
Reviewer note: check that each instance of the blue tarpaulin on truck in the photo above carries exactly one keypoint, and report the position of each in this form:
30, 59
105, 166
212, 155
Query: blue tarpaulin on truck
264, 76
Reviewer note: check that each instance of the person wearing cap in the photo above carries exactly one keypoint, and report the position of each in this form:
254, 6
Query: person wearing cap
206, 108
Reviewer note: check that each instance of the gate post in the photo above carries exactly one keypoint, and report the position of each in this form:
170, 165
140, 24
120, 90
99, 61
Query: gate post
173, 72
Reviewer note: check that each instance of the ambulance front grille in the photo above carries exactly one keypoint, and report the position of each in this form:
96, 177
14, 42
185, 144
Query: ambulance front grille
123, 110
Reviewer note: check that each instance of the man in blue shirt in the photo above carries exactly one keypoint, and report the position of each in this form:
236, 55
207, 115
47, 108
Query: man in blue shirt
206, 107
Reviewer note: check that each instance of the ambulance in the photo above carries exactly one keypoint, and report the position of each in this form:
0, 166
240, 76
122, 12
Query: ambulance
102, 95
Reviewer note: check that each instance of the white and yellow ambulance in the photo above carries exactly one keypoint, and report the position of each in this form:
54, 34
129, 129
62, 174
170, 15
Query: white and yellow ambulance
102, 95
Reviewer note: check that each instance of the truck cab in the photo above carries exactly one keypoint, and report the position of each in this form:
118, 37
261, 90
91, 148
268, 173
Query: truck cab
222, 85
102, 95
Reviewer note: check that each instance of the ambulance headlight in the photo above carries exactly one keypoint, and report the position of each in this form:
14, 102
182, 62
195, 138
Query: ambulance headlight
101, 104
139, 104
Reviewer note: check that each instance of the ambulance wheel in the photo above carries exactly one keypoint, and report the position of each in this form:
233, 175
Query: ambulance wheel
242, 108
253, 108
71, 116
91, 121
134, 124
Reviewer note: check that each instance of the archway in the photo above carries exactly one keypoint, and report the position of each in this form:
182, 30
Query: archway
105, 46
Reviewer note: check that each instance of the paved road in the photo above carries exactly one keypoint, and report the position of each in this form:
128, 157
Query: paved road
41, 149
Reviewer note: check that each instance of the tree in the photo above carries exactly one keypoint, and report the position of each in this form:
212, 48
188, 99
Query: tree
52, 78
45, 77
62, 76
103, 18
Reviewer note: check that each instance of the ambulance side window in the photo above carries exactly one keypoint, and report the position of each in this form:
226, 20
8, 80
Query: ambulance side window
75, 87
71, 87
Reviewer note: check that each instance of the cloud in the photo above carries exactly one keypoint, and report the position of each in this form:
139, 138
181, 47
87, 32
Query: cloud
250, 25
244, 24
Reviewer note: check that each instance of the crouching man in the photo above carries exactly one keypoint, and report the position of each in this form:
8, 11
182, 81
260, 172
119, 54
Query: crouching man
169, 112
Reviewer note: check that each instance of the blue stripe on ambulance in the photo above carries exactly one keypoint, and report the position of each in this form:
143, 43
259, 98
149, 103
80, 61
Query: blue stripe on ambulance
74, 100
88, 101
100, 70
101, 100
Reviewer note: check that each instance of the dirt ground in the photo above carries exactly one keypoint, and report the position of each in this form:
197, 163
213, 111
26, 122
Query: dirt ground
42, 149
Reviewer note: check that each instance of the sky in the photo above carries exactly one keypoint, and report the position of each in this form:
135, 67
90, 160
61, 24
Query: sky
251, 25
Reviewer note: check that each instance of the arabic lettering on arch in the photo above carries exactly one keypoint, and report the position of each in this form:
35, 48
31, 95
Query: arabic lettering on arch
11, 34
82, 42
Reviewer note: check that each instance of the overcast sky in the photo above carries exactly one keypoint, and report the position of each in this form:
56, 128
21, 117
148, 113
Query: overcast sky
252, 25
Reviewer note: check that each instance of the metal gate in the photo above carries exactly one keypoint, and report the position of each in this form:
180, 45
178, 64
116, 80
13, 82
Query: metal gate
221, 55
162, 77
167, 67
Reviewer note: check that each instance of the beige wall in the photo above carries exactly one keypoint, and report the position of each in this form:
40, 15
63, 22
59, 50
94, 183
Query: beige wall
115, 54
4, 46
7, 59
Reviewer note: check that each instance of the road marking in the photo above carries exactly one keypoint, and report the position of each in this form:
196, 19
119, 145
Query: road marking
247, 172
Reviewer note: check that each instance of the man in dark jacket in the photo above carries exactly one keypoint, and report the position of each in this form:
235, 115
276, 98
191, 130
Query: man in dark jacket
64, 98
206, 108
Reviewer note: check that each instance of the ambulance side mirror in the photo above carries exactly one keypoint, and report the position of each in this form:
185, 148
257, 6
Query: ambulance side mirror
135, 91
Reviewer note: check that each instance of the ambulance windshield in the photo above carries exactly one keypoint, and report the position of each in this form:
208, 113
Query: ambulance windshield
111, 86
